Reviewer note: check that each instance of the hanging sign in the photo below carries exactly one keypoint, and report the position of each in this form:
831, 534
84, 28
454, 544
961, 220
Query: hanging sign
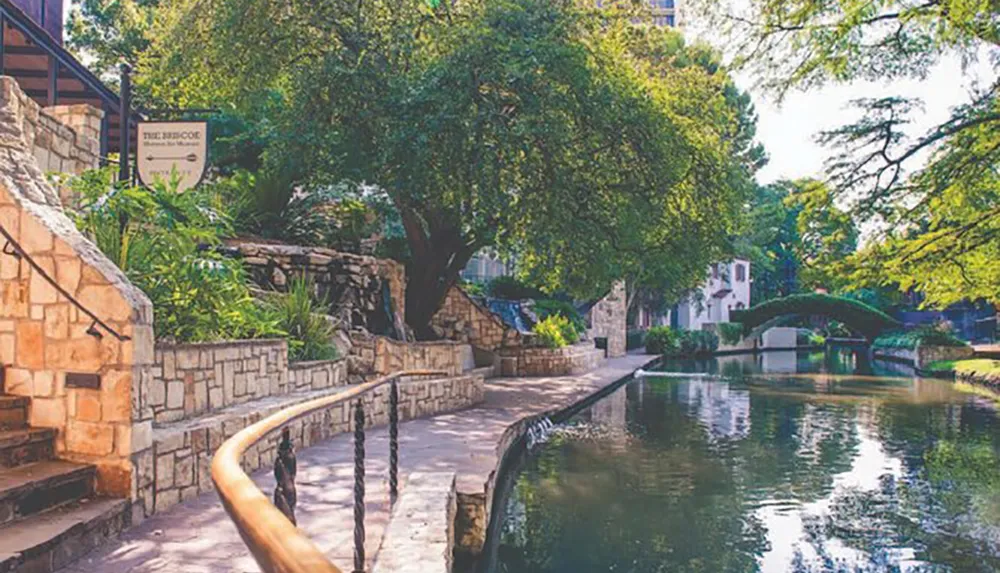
166, 148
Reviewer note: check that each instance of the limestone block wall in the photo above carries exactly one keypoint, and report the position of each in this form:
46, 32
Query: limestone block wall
534, 361
372, 356
352, 284
62, 138
46, 341
317, 375
462, 319
191, 379
179, 468
608, 318
922, 355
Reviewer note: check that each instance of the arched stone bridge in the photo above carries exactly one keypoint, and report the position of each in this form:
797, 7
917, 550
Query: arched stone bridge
866, 320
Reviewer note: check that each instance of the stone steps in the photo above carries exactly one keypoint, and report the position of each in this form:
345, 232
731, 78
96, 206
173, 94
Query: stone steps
26, 445
53, 539
49, 515
36, 487
13, 412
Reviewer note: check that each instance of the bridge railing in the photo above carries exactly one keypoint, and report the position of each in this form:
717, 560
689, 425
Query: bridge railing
268, 529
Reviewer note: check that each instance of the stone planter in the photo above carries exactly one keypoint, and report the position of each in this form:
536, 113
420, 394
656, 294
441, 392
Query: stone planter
568, 360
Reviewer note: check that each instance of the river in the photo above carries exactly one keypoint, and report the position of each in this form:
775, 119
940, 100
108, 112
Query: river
779, 462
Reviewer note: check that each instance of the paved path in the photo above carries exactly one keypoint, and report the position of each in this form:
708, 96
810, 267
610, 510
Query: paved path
197, 537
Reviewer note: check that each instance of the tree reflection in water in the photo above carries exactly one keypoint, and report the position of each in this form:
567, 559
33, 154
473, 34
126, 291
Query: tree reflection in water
763, 473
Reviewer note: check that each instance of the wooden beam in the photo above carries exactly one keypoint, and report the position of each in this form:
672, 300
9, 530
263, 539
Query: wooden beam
3, 38
37, 93
53, 89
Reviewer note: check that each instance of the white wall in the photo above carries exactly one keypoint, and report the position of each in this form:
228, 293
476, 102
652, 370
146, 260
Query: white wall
725, 289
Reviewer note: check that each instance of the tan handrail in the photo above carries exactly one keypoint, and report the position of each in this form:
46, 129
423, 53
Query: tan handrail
276, 544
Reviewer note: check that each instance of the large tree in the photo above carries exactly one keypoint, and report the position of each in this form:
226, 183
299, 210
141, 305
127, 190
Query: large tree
932, 197
546, 127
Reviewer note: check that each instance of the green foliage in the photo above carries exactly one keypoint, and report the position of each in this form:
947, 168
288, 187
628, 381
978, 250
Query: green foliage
547, 307
473, 288
669, 342
923, 336
983, 370
858, 316
808, 338
635, 339
941, 366
269, 204
592, 147
513, 288
931, 196
661, 340
730, 332
555, 332
303, 317
107, 33
163, 241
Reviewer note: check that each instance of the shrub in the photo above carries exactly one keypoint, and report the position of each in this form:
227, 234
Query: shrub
983, 370
551, 332
635, 339
547, 307
513, 289
302, 316
924, 336
695, 342
730, 332
661, 340
473, 289
164, 242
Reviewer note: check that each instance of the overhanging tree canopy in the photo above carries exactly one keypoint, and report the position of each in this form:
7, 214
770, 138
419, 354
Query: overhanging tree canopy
545, 127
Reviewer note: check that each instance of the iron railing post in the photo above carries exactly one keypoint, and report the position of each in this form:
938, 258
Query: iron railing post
285, 496
359, 487
393, 441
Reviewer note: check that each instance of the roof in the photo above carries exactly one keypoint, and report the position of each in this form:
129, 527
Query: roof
39, 63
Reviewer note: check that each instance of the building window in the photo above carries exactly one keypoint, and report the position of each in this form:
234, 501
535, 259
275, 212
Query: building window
741, 273
662, 4
670, 19
715, 271
740, 306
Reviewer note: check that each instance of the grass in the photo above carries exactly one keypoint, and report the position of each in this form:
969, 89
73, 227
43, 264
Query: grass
981, 369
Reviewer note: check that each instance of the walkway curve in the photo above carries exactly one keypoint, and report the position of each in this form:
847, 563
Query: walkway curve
196, 536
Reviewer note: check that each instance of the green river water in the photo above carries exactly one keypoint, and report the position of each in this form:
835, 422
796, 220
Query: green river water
780, 462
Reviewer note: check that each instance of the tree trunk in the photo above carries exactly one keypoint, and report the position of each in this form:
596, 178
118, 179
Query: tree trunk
439, 255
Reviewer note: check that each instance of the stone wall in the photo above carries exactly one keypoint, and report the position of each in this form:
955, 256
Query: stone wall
62, 138
607, 319
372, 356
191, 379
316, 375
921, 356
83, 380
179, 467
353, 284
533, 361
462, 319
420, 536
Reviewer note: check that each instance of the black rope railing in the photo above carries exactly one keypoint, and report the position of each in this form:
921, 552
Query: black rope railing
14, 249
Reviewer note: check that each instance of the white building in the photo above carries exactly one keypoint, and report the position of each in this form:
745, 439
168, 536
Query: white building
727, 289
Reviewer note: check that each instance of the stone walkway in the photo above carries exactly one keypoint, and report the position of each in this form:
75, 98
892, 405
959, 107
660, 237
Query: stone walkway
197, 537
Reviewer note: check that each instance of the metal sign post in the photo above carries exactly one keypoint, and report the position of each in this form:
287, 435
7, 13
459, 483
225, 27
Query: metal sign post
124, 115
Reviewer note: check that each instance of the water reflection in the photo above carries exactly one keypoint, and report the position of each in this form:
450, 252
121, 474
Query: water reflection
823, 471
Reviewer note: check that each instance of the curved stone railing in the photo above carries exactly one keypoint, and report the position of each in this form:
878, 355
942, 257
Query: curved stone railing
275, 542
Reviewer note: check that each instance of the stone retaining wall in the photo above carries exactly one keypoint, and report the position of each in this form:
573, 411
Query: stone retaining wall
462, 319
575, 359
373, 356
352, 284
421, 534
921, 356
178, 465
192, 379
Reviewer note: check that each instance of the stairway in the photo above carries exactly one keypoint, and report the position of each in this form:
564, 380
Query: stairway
49, 515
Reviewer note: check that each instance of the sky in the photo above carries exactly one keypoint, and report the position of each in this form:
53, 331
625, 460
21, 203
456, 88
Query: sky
788, 131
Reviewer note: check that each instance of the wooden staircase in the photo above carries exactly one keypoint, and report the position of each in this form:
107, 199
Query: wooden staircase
49, 514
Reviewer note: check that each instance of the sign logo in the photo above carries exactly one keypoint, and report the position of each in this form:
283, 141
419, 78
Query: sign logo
166, 148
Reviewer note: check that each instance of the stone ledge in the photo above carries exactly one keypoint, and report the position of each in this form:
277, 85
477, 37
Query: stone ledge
421, 532
578, 358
